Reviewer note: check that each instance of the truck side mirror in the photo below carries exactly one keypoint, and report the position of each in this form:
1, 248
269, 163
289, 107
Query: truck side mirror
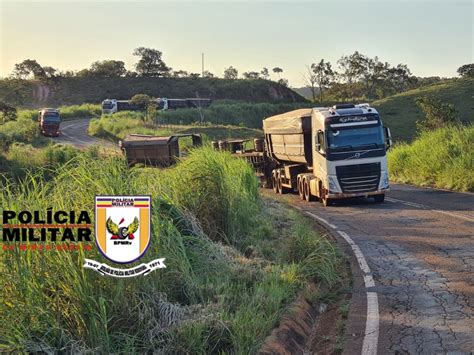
388, 137
319, 142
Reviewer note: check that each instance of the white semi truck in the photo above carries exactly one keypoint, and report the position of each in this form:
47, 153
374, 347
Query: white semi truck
328, 153
110, 106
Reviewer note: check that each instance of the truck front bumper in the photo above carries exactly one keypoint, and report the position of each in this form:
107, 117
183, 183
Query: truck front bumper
338, 195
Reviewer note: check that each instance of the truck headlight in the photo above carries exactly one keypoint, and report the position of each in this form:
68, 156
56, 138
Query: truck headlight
384, 181
333, 185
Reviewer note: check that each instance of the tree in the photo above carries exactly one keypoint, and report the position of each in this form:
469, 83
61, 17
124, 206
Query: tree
145, 103
264, 73
207, 74
397, 79
466, 70
277, 70
150, 62
283, 82
194, 75
231, 73
108, 68
179, 74
251, 75
437, 114
28, 68
310, 79
50, 72
7, 112
323, 74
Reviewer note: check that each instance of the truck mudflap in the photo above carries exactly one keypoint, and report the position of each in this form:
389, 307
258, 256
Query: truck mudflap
359, 194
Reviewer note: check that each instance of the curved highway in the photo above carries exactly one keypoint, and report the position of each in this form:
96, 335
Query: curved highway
75, 132
415, 258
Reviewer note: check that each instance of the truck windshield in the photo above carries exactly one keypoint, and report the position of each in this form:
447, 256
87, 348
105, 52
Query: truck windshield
51, 118
107, 106
355, 138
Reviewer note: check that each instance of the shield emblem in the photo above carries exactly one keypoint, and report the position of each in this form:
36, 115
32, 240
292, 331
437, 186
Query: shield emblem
123, 227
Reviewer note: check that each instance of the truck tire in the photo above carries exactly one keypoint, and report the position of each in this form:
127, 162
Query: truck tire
307, 193
274, 182
281, 189
379, 198
300, 188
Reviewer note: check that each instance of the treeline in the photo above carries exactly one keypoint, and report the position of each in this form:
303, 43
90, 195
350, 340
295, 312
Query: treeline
150, 64
358, 76
353, 77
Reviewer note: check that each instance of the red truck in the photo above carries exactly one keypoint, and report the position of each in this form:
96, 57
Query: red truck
49, 121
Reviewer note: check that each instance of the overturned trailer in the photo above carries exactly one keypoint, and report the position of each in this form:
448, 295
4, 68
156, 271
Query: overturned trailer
155, 150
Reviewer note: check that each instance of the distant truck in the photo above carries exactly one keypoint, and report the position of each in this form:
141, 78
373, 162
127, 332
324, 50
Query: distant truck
49, 121
110, 106
324, 153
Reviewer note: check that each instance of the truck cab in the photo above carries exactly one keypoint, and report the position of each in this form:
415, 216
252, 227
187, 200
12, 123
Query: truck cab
49, 121
349, 152
329, 153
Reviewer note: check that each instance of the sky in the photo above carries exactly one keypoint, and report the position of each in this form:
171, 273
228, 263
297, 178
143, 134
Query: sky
432, 37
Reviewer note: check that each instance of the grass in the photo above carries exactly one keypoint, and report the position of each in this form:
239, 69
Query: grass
400, 112
117, 126
234, 263
236, 114
442, 158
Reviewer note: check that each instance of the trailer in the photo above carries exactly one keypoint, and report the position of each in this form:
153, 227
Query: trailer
154, 150
329, 153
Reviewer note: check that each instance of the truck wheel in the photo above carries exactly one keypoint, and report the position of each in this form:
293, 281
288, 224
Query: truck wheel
300, 188
379, 198
274, 183
281, 189
307, 194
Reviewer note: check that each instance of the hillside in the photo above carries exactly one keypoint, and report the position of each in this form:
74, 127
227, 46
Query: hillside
400, 112
70, 91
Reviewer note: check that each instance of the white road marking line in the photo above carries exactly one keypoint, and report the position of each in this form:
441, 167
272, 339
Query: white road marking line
417, 205
322, 220
369, 346
371, 336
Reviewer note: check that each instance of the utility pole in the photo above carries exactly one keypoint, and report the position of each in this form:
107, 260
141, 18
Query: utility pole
202, 65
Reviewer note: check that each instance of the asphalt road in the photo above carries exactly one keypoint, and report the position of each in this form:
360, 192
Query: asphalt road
75, 132
416, 294
419, 252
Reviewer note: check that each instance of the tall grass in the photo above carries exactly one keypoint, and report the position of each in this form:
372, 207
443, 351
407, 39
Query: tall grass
117, 126
236, 114
211, 298
443, 158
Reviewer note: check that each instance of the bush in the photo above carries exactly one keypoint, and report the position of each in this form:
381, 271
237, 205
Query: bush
441, 158
438, 114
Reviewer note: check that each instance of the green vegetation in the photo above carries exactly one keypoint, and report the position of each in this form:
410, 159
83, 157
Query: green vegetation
400, 112
237, 114
77, 90
117, 126
233, 263
441, 158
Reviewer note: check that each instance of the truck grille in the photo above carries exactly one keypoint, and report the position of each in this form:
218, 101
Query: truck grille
358, 178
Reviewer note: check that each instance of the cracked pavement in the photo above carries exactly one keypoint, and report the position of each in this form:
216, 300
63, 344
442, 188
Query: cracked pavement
420, 247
